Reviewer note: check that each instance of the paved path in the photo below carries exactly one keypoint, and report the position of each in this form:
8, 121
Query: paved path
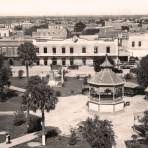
17, 89
20, 140
7, 112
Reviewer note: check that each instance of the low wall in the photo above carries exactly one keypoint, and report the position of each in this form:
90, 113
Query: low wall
105, 108
34, 70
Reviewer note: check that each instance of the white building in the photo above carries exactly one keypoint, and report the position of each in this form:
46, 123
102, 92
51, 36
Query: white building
137, 44
74, 51
4, 32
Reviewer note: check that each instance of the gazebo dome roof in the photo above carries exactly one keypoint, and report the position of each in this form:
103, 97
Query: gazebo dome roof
106, 77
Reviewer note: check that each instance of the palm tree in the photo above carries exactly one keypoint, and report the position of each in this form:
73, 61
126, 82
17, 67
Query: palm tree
42, 98
27, 52
32, 82
134, 137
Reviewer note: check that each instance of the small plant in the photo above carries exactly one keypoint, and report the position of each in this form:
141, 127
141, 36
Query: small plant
58, 93
72, 92
51, 133
20, 74
128, 76
73, 137
34, 124
19, 118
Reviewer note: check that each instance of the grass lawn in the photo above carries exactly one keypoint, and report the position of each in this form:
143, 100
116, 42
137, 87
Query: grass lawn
18, 82
11, 103
58, 142
6, 124
71, 86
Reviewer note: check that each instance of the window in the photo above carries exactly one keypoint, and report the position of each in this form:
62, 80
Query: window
63, 50
84, 61
139, 43
63, 62
108, 49
54, 61
95, 49
45, 61
45, 49
71, 50
37, 49
71, 62
38, 62
133, 44
54, 50
83, 50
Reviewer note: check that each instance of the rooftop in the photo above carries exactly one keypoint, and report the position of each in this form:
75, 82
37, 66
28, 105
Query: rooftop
106, 76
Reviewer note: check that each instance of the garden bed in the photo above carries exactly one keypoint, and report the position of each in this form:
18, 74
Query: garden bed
6, 124
58, 142
141, 143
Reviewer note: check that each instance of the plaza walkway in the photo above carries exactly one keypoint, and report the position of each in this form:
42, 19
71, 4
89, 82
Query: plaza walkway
20, 140
17, 89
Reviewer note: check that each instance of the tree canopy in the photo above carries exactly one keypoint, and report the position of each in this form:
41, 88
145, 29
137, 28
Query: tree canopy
142, 72
98, 133
99, 60
27, 52
79, 27
5, 73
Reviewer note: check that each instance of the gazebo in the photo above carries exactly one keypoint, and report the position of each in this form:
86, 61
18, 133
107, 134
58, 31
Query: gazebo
106, 90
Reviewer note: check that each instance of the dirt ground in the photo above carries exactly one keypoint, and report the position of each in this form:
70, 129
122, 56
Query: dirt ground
70, 111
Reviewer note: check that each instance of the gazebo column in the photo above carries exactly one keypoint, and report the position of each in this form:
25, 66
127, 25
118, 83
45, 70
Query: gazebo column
89, 92
113, 99
99, 99
122, 92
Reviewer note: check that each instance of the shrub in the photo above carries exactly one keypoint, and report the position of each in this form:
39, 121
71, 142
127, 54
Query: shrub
73, 137
2, 97
85, 81
20, 74
72, 92
58, 93
19, 118
116, 70
128, 76
51, 133
34, 124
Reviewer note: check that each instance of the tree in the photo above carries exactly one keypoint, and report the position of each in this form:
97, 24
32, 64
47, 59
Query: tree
142, 72
99, 60
98, 133
79, 27
42, 98
32, 82
144, 120
5, 73
27, 52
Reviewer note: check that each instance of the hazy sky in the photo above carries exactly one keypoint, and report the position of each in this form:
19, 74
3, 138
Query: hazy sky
75, 7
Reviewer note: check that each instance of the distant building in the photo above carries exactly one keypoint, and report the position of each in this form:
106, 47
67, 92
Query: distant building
137, 44
8, 48
52, 32
4, 32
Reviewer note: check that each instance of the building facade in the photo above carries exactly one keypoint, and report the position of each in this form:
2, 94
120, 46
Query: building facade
74, 51
137, 44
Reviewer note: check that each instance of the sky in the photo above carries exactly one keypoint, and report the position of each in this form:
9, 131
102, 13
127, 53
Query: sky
73, 7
